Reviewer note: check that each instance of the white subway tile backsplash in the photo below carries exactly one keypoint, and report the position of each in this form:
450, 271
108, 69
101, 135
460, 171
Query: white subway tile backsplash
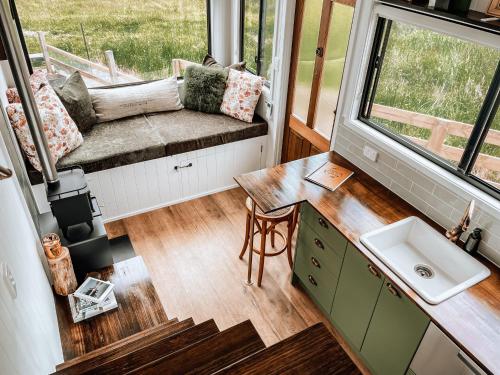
441, 204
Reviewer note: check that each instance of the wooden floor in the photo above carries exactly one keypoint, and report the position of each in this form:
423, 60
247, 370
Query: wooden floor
191, 250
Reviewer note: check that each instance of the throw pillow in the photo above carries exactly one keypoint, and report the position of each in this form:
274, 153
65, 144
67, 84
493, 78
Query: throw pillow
117, 102
37, 80
242, 95
212, 63
61, 131
204, 88
76, 99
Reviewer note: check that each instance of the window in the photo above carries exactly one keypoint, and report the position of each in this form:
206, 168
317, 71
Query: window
439, 96
114, 41
257, 30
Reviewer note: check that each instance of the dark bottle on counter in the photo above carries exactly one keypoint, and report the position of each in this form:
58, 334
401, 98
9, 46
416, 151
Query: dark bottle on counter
472, 243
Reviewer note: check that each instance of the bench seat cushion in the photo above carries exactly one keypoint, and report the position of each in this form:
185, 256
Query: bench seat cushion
146, 137
116, 143
188, 130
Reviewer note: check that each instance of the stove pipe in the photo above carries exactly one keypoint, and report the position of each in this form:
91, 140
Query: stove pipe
19, 68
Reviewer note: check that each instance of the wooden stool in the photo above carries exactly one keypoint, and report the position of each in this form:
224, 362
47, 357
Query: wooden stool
274, 218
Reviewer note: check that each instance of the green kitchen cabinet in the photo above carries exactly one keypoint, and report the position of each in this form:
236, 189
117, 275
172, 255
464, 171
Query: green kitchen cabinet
358, 288
394, 333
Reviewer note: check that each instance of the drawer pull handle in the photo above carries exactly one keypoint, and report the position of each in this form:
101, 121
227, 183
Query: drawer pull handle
323, 223
312, 281
319, 244
373, 271
393, 290
315, 262
177, 167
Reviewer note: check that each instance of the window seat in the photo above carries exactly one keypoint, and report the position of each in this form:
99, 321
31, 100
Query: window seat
152, 136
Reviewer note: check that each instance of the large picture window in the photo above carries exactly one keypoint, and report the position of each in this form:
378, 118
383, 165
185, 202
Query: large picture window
438, 95
257, 31
114, 41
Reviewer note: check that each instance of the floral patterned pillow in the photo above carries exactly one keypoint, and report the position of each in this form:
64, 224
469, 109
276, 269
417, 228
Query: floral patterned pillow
242, 94
37, 80
61, 131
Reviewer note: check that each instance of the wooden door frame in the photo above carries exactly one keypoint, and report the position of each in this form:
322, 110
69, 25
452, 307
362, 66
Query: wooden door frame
310, 137
311, 141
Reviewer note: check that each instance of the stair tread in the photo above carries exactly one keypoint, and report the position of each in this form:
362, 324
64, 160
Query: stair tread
210, 354
121, 347
312, 351
158, 349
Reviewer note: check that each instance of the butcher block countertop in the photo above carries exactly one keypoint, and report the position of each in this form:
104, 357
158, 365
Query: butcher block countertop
471, 319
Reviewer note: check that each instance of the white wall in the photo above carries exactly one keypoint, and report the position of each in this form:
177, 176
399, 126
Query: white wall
434, 191
29, 335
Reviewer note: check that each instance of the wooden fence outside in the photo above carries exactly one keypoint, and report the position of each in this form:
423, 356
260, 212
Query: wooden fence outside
439, 129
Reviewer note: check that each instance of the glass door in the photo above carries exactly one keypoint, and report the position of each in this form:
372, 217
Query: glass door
320, 43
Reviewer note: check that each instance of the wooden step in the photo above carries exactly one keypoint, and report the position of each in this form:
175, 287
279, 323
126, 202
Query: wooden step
209, 355
161, 348
312, 351
117, 349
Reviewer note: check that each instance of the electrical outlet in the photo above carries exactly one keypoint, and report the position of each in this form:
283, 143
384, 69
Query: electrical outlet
370, 153
9, 280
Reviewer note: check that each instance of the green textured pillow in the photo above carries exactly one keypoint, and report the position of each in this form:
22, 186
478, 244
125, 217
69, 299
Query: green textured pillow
204, 88
76, 99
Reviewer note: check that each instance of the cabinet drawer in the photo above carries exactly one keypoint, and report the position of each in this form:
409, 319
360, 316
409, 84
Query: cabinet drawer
324, 229
310, 245
319, 283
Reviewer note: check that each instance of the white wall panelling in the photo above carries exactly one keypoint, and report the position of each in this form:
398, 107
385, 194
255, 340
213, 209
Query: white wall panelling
141, 187
29, 336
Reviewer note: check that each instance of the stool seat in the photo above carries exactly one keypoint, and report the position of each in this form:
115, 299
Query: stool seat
266, 225
271, 216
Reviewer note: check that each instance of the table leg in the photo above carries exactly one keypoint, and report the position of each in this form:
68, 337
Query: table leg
250, 253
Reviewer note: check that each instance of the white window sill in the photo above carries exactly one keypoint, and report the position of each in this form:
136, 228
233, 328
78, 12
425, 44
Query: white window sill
428, 168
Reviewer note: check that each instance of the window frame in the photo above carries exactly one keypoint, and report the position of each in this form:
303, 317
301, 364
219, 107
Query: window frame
260, 44
480, 129
26, 52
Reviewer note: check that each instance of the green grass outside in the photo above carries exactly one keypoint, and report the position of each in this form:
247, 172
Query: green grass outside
143, 35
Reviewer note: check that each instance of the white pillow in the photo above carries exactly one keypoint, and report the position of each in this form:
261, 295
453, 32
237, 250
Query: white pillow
117, 102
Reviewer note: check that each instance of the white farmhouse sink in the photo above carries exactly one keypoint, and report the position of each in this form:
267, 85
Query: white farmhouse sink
430, 264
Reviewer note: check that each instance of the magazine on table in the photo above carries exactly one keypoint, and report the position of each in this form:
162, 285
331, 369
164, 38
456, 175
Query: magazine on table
94, 290
82, 309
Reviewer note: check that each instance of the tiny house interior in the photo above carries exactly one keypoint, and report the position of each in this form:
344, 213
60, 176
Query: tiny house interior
250, 187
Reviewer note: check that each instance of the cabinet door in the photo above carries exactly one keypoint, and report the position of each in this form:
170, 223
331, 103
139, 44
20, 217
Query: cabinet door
357, 292
395, 331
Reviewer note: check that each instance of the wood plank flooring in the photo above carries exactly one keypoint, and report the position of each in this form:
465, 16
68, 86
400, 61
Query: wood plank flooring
191, 251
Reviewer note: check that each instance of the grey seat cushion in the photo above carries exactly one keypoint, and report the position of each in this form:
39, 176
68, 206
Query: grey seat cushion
188, 130
146, 137
116, 143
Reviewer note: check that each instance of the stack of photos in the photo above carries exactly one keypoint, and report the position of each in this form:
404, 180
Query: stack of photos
92, 298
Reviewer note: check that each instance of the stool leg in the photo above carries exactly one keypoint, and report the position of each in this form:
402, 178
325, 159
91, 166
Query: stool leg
263, 235
289, 236
247, 236
271, 229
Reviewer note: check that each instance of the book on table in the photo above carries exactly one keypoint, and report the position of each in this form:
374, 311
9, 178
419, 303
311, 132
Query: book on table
329, 176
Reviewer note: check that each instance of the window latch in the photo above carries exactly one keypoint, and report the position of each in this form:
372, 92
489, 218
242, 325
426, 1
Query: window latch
319, 51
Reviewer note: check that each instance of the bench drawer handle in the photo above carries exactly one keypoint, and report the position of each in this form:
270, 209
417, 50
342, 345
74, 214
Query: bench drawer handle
312, 281
177, 167
322, 222
315, 262
319, 244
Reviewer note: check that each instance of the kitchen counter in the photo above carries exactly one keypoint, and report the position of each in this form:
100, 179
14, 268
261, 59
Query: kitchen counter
471, 319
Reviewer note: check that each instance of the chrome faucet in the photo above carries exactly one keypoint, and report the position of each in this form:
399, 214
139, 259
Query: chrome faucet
454, 233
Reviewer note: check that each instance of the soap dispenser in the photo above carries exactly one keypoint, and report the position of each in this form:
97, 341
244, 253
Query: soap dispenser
472, 243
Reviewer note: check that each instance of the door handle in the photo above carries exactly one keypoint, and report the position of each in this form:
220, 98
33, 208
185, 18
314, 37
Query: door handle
393, 290
5, 173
